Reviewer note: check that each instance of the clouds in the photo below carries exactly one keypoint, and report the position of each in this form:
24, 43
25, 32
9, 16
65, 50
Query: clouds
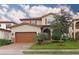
26, 9
5, 18
3, 9
76, 16
2, 12
39, 10
14, 13
5, 6
35, 11
66, 9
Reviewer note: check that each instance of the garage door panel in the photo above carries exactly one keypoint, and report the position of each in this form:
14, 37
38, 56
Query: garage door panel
25, 37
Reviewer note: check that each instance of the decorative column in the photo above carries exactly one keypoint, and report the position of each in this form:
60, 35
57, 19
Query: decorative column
74, 24
51, 33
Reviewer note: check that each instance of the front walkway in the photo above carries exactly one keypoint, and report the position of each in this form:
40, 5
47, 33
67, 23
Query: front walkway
14, 49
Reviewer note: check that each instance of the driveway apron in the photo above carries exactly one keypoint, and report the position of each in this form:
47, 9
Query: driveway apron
14, 49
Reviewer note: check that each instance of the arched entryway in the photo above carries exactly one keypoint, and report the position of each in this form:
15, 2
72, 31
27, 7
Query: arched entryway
48, 32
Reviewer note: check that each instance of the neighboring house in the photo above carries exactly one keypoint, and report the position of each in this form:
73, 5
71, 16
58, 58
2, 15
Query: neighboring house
26, 31
5, 32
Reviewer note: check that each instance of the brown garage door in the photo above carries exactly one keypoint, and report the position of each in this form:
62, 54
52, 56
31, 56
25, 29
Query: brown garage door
25, 37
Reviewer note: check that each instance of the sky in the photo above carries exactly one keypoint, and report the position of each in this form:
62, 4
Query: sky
14, 12
74, 7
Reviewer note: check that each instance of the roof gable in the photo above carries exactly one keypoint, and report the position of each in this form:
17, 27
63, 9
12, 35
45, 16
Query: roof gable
40, 26
24, 24
38, 18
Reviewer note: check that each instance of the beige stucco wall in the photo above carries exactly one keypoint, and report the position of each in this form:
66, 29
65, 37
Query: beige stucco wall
1, 35
5, 35
39, 22
25, 28
70, 32
49, 18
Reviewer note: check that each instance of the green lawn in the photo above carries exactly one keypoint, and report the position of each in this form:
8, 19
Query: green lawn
66, 45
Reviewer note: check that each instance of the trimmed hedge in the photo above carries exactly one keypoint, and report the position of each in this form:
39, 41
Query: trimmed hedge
5, 42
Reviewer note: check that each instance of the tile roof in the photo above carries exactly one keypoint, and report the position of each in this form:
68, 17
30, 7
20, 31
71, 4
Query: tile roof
38, 18
28, 24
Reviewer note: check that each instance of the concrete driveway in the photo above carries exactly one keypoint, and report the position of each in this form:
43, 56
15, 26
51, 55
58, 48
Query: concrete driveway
14, 49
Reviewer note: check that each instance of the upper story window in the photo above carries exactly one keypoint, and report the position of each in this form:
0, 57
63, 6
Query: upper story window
45, 21
49, 21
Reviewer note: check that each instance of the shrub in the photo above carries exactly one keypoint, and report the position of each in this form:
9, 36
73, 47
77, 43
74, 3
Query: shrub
56, 35
5, 42
41, 37
59, 36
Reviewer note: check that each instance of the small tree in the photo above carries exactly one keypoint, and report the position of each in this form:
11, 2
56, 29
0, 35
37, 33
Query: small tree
41, 37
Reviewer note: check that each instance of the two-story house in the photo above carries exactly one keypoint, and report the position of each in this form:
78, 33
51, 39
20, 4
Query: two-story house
26, 31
